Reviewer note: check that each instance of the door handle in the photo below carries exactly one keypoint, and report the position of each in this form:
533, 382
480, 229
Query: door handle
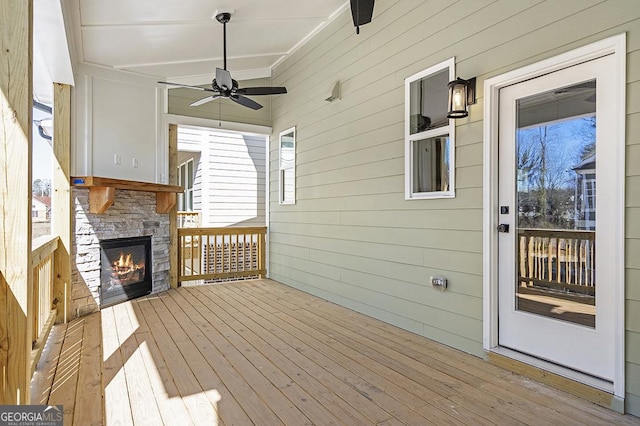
503, 227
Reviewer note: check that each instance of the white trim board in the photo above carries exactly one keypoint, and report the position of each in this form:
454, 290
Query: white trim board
614, 45
218, 125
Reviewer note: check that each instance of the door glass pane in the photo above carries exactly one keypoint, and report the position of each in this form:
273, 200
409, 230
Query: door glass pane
556, 202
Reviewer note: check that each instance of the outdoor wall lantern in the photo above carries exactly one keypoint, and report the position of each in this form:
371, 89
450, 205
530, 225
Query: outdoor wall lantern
462, 93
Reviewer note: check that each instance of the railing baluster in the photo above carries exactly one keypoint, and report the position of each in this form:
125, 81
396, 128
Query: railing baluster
42, 313
559, 259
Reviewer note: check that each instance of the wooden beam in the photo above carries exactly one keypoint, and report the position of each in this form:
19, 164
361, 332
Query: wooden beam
173, 212
62, 211
165, 202
101, 198
16, 277
131, 185
102, 192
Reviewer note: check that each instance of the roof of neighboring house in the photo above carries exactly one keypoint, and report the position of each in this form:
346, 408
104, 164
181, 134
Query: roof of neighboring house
44, 200
588, 163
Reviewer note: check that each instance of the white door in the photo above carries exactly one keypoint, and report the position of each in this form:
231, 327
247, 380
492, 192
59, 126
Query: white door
556, 186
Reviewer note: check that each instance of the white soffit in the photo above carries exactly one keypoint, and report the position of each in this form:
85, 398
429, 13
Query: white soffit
51, 60
180, 40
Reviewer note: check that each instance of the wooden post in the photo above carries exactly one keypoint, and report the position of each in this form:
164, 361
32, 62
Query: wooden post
173, 213
61, 217
16, 276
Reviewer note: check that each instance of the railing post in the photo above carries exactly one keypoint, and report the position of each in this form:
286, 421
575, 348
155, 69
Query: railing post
173, 213
61, 217
16, 276
263, 252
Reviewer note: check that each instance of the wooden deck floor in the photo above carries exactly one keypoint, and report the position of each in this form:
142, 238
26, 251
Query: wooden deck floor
261, 353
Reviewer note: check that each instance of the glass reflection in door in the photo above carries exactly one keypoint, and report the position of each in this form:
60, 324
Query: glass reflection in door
556, 204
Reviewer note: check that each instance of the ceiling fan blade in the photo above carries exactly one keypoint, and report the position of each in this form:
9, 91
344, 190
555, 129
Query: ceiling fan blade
223, 78
205, 100
188, 86
255, 91
250, 103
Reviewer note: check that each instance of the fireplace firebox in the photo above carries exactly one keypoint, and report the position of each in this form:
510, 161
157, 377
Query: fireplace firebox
125, 269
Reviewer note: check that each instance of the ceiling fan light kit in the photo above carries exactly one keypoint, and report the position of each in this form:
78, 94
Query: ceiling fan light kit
223, 86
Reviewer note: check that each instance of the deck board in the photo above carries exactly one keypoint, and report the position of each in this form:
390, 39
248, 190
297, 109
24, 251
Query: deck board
65, 381
313, 345
326, 409
201, 402
259, 352
43, 377
249, 364
116, 394
89, 385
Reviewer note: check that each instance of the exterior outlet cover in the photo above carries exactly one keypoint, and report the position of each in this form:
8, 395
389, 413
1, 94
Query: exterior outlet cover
439, 282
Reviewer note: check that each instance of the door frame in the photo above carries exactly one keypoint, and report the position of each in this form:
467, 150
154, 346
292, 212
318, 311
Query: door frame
615, 45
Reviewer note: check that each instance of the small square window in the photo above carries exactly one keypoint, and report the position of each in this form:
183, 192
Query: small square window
429, 134
185, 179
288, 166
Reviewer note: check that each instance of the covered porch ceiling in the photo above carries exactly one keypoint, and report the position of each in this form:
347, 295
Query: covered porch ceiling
177, 41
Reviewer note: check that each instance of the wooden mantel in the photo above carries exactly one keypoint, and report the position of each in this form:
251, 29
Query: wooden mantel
102, 192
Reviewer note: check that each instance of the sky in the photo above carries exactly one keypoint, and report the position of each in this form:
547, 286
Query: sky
42, 152
566, 142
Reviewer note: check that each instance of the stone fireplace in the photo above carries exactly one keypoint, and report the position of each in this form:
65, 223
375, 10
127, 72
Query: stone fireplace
132, 215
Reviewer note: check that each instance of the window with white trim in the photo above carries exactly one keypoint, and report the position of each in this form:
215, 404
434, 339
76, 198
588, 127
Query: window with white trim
288, 166
429, 134
185, 180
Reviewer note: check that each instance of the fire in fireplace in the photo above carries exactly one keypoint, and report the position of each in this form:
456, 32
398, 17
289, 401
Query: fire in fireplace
125, 270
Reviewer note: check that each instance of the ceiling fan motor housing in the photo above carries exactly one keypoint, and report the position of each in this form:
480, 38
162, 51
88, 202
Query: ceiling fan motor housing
223, 17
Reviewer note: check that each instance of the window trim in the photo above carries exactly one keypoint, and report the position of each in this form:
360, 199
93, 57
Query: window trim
281, 170
431, 133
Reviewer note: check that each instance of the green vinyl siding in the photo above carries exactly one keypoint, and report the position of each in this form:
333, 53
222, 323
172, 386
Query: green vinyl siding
351, 237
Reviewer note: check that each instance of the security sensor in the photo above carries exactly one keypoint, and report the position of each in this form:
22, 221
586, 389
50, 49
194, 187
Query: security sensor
334, 92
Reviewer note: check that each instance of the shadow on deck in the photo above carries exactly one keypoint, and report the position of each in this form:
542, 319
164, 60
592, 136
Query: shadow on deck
259, 352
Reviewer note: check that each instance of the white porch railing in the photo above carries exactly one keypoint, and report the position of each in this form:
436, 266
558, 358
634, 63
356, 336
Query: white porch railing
559, 259
41, 303
221, 253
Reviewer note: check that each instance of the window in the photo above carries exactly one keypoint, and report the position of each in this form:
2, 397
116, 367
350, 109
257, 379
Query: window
185, 179
288, 166
429, 134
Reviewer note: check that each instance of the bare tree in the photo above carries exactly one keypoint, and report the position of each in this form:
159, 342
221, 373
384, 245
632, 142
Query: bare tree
41, 187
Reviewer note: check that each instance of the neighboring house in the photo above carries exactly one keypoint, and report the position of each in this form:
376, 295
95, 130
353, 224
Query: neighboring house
223, 176
40, 208
585, 194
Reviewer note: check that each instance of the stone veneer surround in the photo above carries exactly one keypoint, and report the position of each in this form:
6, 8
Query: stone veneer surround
132, 214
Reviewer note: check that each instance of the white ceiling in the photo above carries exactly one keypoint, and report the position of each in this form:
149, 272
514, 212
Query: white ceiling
181, 41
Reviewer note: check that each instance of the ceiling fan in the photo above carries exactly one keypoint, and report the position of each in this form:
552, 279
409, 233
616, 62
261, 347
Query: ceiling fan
223, 86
